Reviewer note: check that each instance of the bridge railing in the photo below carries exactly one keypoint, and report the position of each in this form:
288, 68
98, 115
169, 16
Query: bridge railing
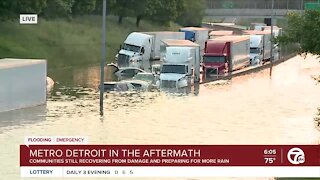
257, 4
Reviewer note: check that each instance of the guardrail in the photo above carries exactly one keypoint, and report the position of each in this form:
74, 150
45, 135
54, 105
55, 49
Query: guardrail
249, 12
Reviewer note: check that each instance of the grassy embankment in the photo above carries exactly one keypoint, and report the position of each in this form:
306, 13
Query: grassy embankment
66, 43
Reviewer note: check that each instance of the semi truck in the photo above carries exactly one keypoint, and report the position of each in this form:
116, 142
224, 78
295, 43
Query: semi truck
181, 63
260, 46
256, 49
258, 52
197, 35
142, 49
225, 54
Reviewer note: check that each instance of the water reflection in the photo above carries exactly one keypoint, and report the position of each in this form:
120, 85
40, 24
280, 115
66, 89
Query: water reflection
80, 76
22, 117
185, 91
70, 93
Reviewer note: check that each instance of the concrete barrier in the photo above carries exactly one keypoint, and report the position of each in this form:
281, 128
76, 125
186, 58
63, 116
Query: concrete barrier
277, 13
22, 83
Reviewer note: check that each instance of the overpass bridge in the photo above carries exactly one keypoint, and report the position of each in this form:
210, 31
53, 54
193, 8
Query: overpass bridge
254, 8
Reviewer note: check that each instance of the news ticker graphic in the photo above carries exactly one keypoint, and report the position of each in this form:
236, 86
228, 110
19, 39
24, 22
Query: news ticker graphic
52, 140
170, 160
28, 18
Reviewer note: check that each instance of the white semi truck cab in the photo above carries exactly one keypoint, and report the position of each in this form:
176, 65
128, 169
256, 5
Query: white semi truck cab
260, 41
177, 67
256, 49
135, 51
142, 49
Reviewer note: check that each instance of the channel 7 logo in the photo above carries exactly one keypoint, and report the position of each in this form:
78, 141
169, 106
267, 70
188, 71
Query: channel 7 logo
296, 156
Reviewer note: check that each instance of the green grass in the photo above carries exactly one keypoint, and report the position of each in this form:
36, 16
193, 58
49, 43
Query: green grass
63, 43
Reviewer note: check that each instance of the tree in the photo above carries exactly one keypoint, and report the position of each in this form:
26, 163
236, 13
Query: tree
303, 29
99, 4
123, 8
30, 6
58, 8
10, 9
141, 10
162, 11
191, 12
6, 9
81, 7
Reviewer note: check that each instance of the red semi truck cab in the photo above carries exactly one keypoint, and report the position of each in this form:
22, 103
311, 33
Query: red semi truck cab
226, 54
215, 58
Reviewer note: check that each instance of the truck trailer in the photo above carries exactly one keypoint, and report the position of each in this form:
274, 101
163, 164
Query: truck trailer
260, 45
225, 54
181, 62
214, 34
197, 35
142, 49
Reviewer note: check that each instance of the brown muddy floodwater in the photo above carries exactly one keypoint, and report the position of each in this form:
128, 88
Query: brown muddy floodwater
252, 109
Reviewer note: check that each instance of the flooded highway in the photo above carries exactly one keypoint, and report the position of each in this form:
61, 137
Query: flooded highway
251, 109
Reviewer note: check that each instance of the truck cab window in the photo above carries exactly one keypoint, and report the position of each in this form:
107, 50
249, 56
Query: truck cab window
179, 69
130, 47
214, 59
142, 50
129, 72
136, 71
255, 50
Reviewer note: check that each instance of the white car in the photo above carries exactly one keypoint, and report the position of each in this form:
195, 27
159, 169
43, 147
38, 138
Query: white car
150, 78
138, 85
128, 72
117, 86
126, 85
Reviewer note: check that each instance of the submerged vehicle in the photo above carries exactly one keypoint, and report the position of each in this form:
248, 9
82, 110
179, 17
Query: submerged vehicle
126, 85
149, 78
127, 72
138, 85
117, 86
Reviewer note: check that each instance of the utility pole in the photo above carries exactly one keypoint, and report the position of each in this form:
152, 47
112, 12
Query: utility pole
272, 12
271, 50
103, 54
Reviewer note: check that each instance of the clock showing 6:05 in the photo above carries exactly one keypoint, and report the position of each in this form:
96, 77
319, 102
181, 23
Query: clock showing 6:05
269, 151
